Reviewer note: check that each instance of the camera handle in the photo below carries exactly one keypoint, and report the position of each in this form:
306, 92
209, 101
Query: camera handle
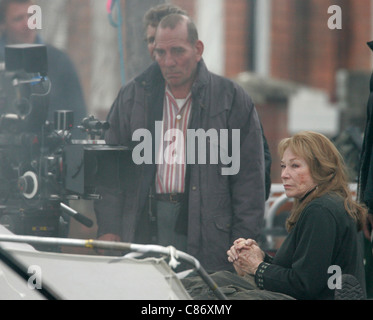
76, 215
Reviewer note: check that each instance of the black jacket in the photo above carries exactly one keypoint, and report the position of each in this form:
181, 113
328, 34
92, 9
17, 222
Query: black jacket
220, 208
324, 236
365, 182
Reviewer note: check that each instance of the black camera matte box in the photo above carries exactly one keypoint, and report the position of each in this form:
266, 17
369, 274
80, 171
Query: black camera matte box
31, 58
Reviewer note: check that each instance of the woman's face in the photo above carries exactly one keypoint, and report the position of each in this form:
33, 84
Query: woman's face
296, 176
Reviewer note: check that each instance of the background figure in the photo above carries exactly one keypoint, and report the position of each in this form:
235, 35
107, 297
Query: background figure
151, 20
200, 209
365, 187
66, 93
322, 226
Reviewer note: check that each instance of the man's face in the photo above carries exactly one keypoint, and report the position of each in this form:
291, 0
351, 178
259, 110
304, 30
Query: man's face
15, 26
177, 58
150, 39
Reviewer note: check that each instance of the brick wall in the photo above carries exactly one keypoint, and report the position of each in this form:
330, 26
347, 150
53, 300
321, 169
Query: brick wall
236, 37
274, 119
307, 51
360, 24
303, 49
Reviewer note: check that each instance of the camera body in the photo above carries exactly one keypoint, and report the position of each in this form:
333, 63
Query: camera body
41, 166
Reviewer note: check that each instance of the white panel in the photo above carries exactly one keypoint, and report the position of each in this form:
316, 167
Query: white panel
311, 110
210, 22
263, 37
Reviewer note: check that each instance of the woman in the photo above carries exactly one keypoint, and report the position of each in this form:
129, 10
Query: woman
322, 226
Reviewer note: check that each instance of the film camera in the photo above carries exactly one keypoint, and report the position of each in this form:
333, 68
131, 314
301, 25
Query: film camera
42, 167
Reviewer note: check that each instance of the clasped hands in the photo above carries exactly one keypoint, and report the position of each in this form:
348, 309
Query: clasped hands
246, 256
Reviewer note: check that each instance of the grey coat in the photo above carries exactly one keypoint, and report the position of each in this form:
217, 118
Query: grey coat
220, 208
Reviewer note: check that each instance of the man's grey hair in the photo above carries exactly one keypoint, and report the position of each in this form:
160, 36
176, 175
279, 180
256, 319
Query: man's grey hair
172, 20
155, 14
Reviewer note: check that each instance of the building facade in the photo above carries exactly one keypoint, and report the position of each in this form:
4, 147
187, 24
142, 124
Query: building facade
305, 62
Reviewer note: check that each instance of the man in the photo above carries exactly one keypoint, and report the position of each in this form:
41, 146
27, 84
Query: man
66, 90
151, 20
199, 208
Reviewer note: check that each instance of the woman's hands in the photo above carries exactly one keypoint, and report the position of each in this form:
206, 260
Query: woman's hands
246, 256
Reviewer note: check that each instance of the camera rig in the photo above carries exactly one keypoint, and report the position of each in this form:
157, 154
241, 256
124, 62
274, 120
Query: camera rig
42, 167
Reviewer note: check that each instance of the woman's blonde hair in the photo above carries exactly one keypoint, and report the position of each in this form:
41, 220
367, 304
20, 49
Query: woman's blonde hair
328, 171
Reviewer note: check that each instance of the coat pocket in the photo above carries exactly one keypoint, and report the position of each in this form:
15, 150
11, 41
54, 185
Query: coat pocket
216, 206
223, 223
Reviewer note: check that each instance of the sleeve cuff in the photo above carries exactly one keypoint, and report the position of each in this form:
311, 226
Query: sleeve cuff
259, 274
268, 258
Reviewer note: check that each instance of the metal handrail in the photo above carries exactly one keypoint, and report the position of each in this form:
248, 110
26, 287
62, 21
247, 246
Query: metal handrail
121, 246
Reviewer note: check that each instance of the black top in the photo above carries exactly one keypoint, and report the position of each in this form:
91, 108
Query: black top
365, 183
325, 235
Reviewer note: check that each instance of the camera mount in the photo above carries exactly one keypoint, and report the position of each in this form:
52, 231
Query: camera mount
41, 166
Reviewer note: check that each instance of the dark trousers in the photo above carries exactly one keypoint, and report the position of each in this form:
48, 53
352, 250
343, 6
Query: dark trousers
232, 285
167, 216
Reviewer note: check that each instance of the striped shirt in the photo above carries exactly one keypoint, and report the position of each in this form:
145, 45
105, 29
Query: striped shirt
172, 151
